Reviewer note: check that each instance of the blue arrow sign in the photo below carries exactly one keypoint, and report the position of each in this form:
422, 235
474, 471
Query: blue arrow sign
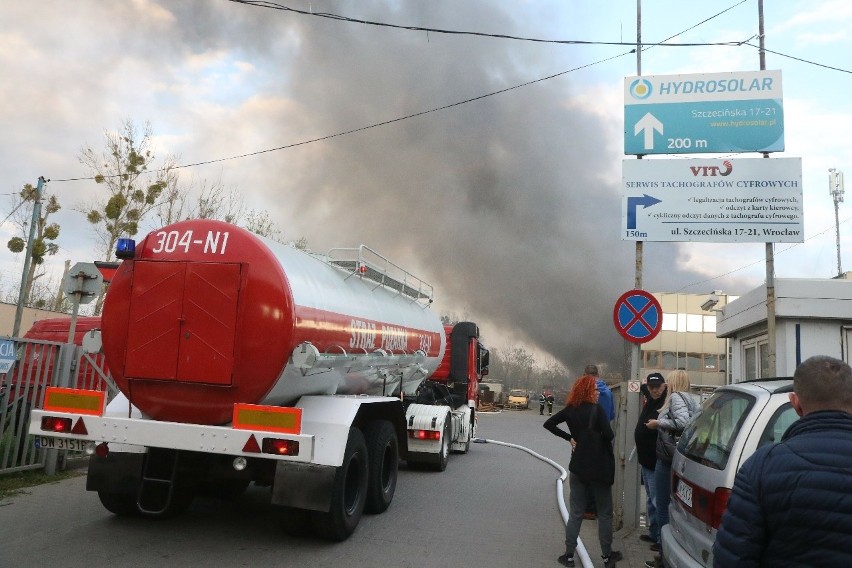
634, 202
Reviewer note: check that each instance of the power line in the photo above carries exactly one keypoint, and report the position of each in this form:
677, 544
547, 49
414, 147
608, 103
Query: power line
809, 62
272, 5
792, 246
377, 124
330, 16
645, 46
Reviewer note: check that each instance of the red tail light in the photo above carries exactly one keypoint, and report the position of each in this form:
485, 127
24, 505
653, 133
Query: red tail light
279, 447
102, 450
55, 424
706, 506
424, 434
720, 503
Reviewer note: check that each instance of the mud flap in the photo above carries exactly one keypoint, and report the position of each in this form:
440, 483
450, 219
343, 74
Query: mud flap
303, 486
116, 473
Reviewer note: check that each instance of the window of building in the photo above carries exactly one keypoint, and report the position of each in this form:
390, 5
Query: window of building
694, 323
755, 358
670, 360
653, 360
694, 362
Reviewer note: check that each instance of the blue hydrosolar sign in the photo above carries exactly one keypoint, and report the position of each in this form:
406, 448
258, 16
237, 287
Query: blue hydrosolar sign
707, 113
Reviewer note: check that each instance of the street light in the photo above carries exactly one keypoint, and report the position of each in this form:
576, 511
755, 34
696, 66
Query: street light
835, 188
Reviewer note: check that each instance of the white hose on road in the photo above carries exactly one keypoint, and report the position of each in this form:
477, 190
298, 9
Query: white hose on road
585, 560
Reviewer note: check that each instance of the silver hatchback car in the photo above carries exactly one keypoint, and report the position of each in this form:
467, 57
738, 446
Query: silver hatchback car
735, 421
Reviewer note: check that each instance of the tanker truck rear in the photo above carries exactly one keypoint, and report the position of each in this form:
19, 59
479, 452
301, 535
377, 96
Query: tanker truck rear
241, 360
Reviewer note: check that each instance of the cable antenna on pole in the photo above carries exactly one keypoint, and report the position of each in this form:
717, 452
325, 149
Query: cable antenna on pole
835, 188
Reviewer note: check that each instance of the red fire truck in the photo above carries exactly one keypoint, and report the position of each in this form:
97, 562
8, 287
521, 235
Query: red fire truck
241, 360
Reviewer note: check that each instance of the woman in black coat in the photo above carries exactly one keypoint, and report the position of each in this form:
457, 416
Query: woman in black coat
592, 466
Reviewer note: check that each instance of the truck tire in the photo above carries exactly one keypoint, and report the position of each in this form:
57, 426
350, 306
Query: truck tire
348, 493
444, 453
383, 454
121, 504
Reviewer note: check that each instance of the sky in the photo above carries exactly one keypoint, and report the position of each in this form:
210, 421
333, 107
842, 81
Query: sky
509, 204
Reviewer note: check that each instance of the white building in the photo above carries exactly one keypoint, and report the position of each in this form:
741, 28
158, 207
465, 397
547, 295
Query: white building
812, 317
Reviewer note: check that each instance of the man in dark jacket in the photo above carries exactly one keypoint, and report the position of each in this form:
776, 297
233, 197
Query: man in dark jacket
792, 502
653, 393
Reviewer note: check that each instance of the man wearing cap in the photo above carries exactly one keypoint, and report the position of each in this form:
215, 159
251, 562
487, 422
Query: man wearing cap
653, 396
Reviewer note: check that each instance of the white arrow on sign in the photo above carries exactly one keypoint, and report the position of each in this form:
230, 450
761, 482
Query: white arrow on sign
649, 124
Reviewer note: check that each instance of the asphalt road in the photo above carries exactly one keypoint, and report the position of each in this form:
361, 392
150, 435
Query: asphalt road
493, 507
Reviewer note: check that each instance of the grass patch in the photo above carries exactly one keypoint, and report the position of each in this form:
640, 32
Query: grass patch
15, 483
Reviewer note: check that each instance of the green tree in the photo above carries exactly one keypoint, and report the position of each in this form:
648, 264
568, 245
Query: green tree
44, 241
126, 168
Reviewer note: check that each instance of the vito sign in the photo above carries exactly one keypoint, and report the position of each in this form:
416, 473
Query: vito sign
704, 113
719, 201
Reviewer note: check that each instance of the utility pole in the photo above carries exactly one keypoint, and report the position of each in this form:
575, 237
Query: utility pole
771, 356
19, 311
628, 478
835, 188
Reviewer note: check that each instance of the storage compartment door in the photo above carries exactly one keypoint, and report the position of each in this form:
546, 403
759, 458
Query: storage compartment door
154, 323
209, 323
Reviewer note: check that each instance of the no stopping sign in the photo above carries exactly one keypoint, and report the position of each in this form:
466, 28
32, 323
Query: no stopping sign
638, 316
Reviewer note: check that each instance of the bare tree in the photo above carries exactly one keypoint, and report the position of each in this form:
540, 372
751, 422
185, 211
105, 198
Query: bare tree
44, 244
259, 223
200, 200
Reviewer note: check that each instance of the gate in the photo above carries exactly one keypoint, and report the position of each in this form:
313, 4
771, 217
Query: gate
39, 364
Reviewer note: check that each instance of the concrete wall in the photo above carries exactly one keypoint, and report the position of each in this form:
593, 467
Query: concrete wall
30, 315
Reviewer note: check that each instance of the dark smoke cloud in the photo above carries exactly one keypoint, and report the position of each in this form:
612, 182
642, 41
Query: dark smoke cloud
503, 203
510, 205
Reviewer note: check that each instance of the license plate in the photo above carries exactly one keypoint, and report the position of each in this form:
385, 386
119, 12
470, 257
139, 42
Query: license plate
60, 444
684, 493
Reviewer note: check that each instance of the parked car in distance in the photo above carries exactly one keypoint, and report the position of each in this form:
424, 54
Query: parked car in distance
735, 421
518, 398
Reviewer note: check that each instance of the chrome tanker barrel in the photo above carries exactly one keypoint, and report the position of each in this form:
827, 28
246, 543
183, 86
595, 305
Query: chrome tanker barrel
203, 314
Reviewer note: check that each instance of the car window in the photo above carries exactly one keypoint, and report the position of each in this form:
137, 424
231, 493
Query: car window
783, 417
710, 436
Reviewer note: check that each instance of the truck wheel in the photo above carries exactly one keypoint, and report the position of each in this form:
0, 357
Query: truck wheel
348, 492
121, 504
383, 453
444, 454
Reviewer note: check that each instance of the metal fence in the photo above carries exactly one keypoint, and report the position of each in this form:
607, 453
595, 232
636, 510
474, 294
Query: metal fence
40, 364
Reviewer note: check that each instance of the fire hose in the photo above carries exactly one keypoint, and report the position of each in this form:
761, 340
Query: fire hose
585, 560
